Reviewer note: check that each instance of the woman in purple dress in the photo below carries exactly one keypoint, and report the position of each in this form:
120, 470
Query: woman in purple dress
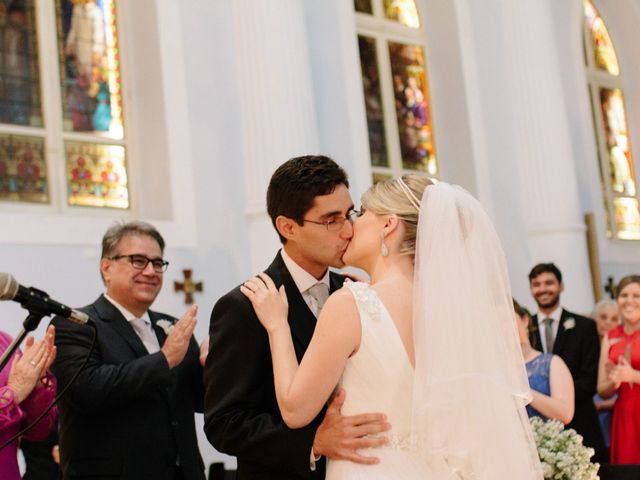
26, 389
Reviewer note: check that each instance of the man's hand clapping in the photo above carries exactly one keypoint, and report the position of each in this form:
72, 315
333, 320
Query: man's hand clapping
177, 342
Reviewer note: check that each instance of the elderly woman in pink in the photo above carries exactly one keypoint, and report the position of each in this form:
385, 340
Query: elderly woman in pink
26, 389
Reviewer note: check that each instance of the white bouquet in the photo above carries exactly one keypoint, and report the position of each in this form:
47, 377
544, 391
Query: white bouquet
561, 452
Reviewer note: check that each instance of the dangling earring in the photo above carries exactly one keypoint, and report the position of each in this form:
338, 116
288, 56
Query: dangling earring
384, 251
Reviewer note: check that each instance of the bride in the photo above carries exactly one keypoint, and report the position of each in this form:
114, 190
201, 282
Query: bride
430, 341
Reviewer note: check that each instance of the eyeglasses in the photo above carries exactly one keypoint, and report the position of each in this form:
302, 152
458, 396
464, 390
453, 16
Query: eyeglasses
140, 262
336, 223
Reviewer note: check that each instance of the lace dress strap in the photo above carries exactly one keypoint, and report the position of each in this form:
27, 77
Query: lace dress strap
366, 298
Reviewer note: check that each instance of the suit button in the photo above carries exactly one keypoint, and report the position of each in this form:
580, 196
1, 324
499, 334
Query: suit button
175, 423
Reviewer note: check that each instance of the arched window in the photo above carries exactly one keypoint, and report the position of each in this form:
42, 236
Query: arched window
62, 141
391, 42
612, 133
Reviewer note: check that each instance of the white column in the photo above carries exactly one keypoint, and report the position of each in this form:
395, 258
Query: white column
554, 220
276, 104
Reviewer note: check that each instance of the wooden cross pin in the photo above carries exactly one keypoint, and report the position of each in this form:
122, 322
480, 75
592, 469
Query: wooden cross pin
189, 287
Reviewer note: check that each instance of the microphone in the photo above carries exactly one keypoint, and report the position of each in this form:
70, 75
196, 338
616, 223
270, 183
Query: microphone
37, 301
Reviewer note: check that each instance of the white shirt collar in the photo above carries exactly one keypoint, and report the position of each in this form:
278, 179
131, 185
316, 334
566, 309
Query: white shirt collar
126, 313
555, 315
303, 279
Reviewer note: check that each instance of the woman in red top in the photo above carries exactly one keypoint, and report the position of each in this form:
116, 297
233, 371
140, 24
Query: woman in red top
619, 371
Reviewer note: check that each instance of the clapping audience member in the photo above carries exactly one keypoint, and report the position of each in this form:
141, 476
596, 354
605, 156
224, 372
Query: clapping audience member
549, 378
607, 317
27, 388
619, 372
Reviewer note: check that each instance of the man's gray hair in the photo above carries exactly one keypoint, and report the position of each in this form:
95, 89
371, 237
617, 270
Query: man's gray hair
601, 304
120, 230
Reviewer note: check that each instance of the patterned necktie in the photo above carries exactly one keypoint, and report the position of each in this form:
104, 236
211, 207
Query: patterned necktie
320, 293
146, 334
548, 334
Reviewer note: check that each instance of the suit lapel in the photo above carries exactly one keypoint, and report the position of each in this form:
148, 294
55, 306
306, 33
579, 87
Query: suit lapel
562, 334
110, 315
301, 319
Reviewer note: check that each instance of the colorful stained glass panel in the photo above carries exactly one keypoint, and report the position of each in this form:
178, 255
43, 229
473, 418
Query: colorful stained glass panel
627, 217
413, 110
363, 6
20, 102
23, 169
96, 175
373, 101
604, 54
403, 11
90, 67
617, 141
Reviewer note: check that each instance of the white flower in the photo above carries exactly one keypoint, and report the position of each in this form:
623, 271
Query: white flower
561, 452
165, 325
569, 323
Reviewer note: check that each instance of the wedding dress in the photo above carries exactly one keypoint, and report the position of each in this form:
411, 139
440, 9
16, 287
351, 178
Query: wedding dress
379, 378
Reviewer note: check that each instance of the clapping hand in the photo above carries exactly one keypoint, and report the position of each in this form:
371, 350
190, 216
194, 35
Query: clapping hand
177, 342
27, 369
270, 303
622, 372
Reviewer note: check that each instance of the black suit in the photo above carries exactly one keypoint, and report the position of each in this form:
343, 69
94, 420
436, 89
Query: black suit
128, 415
241, 412
579, 347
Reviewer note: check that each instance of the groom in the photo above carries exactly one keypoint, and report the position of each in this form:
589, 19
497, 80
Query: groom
309, 204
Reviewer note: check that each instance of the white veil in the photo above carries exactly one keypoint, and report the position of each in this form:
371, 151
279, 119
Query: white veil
470, 385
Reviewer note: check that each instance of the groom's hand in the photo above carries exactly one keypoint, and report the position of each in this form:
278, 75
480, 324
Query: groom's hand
341, 437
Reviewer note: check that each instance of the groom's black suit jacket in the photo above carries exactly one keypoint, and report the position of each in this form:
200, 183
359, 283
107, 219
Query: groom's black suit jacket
241, 412
128, 415
577, 343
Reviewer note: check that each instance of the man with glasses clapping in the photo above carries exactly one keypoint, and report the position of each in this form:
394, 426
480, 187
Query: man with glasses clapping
130, 413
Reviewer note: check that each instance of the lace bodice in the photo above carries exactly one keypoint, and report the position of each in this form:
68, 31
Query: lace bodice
379, 376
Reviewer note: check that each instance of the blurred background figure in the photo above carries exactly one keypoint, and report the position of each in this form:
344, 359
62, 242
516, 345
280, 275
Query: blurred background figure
607, 317
27, 388
549, 377
619, 373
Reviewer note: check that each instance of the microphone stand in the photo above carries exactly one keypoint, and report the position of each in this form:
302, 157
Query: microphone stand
29, 325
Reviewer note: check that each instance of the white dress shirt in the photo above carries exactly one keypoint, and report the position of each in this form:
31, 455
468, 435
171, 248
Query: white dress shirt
304, 281
542, 326
151, 342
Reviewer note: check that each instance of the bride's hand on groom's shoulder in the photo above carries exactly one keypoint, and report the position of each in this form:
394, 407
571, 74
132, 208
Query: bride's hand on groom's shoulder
269, 302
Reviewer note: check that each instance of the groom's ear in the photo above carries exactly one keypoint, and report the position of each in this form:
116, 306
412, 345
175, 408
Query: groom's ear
286, 226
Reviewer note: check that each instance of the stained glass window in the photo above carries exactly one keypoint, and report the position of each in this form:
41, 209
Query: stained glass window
23, 170
612, 133
604, 54
617, 141
403, 11
90, 67
373, 101
96, 175
19, 75
412, 107
363, 6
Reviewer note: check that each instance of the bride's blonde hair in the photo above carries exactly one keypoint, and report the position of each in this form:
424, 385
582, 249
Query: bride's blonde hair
401, 197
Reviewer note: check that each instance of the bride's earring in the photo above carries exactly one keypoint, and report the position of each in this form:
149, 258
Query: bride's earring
384, 251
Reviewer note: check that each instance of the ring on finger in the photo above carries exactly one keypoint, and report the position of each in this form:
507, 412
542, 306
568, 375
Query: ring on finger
33, 363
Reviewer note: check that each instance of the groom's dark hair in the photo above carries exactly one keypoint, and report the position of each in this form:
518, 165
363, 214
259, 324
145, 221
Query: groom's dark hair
297, 182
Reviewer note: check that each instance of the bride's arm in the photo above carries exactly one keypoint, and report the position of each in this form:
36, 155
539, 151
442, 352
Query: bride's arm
302, 390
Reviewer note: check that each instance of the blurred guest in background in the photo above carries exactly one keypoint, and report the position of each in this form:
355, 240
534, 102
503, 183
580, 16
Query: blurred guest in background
619, 371
549, 378
27, 388
606, 316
